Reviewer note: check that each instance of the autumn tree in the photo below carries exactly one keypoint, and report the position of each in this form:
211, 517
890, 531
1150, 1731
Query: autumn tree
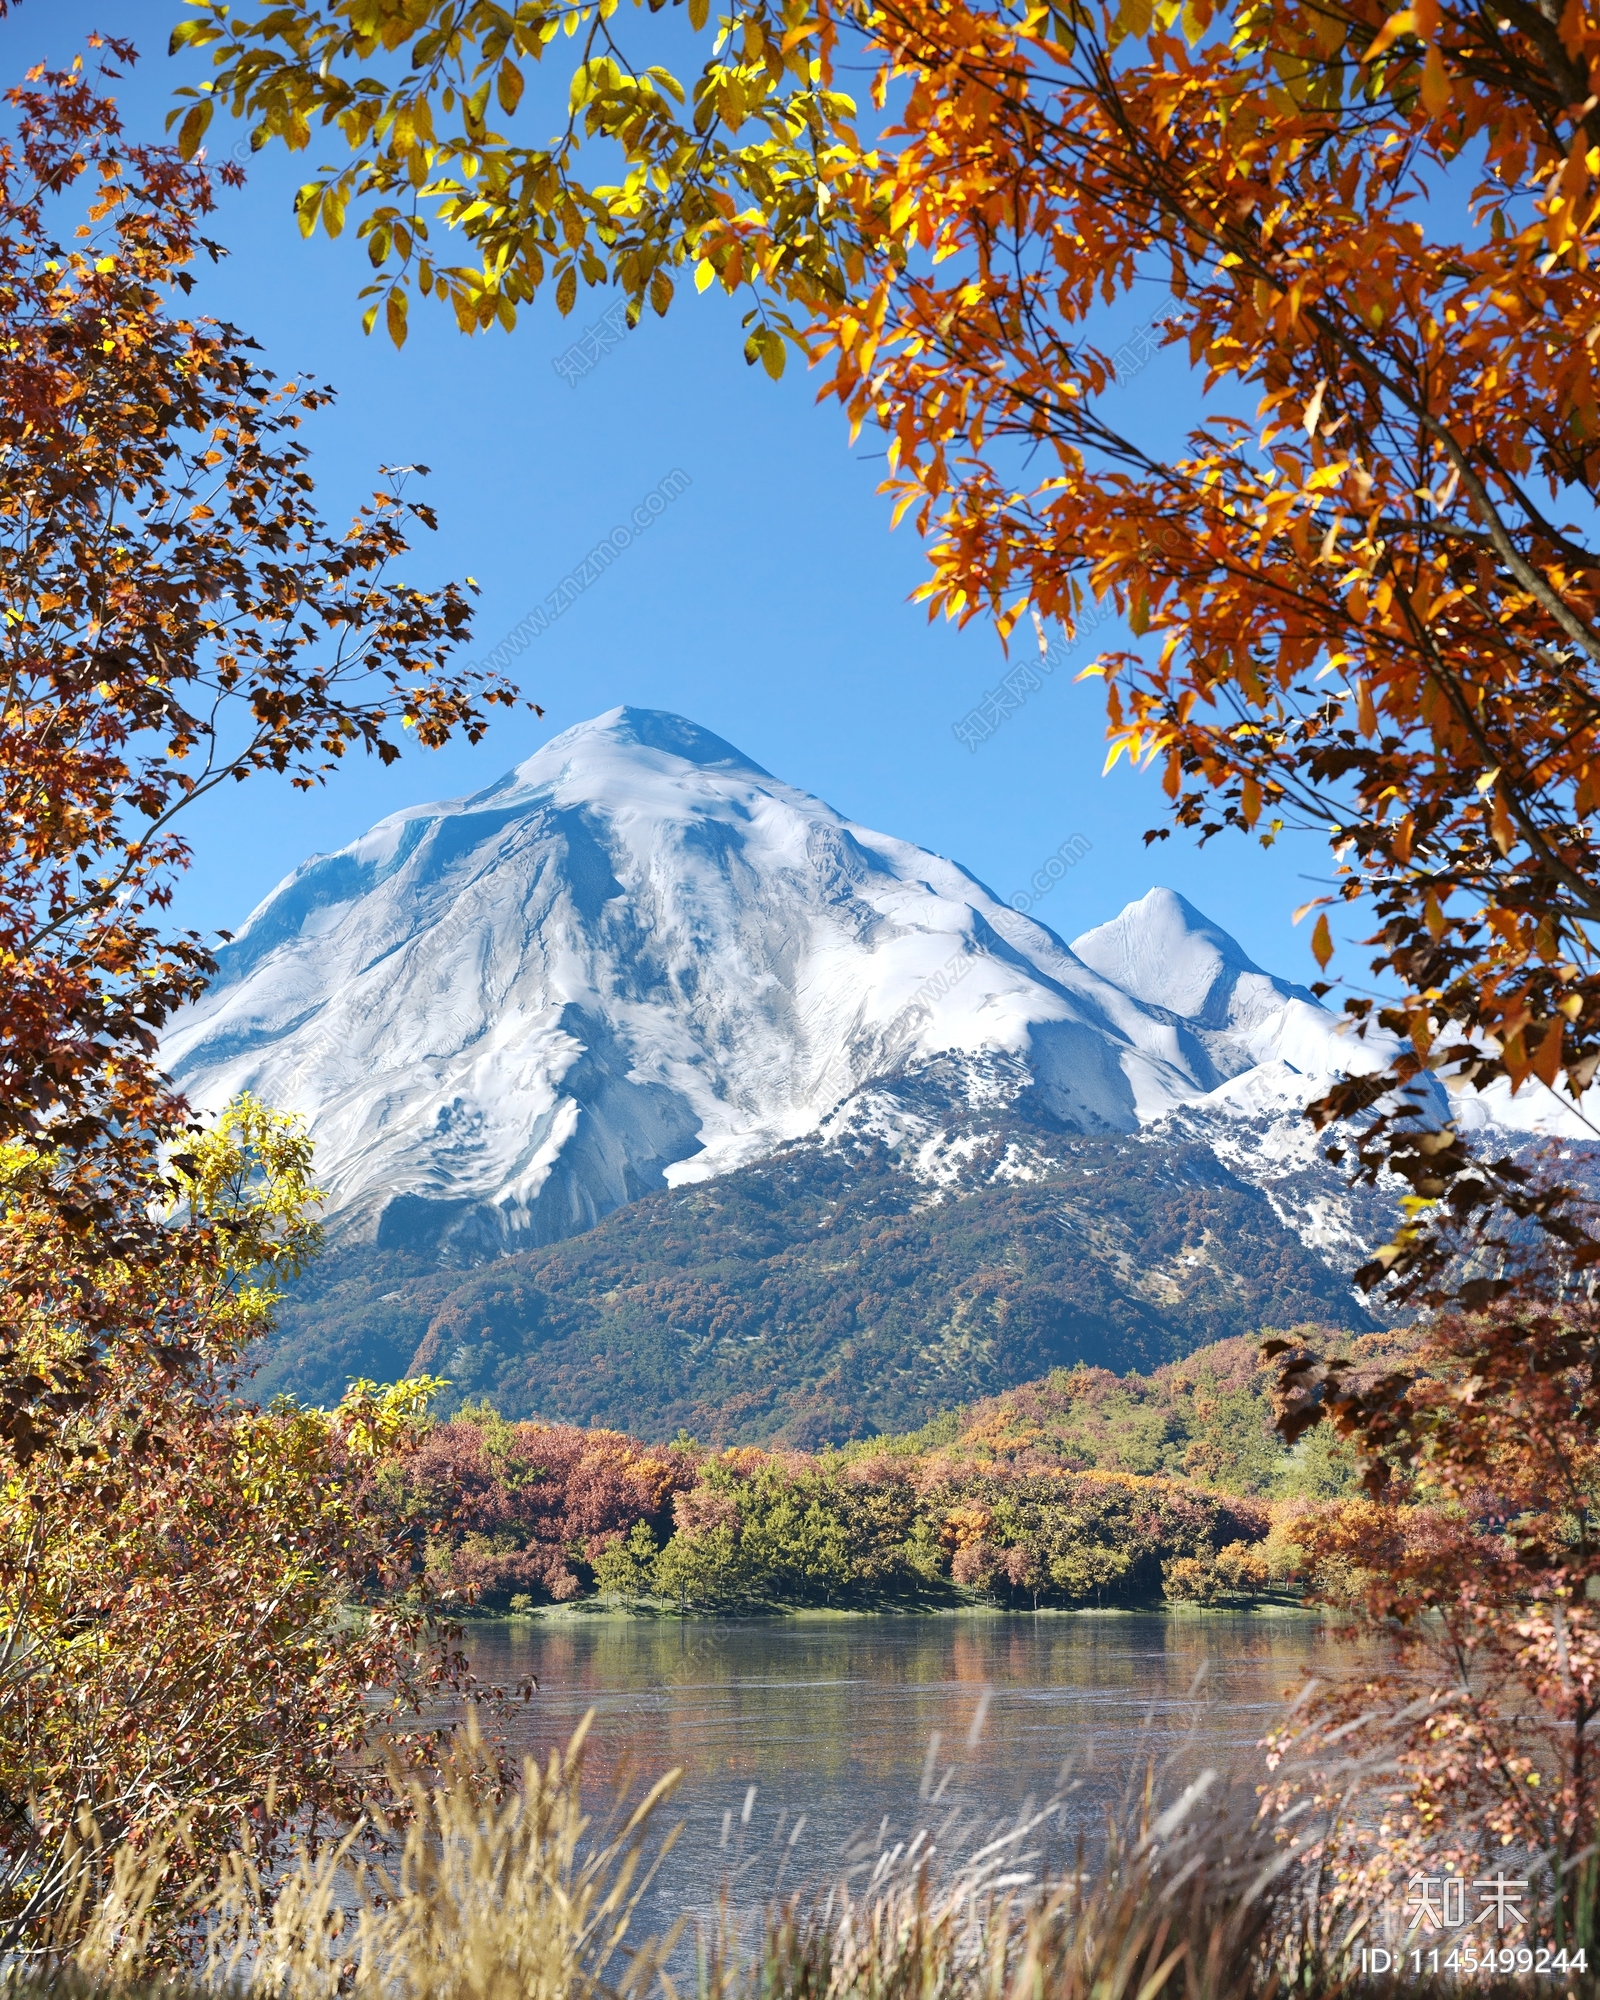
210, 1635
198, 1632
1478, 1550
529, 1507
177, 615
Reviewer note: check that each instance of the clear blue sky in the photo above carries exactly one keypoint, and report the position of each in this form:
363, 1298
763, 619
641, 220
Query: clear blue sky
769, 603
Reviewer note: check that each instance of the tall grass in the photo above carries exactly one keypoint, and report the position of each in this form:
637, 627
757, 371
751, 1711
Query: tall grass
1186, 1901
491, 1892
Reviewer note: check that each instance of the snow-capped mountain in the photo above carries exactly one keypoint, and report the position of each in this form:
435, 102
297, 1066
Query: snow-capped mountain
640, 957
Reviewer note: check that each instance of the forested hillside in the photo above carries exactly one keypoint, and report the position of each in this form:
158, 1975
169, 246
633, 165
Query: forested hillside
1085, 1487
824, 1295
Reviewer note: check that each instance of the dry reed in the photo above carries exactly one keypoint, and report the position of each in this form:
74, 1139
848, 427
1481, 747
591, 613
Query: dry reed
493, 1893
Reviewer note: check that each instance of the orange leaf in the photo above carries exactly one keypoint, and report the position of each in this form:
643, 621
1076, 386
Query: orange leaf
1547, 1057
1438, 94
1322, 942
1403, 23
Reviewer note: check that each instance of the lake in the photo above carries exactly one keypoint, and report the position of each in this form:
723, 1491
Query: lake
867, 1728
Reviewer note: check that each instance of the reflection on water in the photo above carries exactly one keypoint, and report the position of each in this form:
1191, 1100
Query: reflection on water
835, 1719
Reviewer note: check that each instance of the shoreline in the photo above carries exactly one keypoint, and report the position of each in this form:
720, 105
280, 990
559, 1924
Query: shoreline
591, 1610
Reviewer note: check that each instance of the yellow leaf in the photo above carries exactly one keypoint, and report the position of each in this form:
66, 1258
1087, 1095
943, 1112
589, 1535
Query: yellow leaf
1501, 831
1196, 19
1402, 840
1322, 942
334, 198
394, 317
1313, 415
307, 207
193, 128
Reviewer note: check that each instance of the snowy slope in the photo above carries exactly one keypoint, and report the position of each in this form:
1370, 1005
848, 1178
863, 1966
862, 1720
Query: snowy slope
638, 955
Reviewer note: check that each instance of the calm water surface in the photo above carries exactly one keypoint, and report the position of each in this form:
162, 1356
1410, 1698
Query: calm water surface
880, 1725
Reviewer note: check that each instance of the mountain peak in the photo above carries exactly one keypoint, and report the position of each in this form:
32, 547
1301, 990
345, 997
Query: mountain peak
640, 957
620, 734
1166, 953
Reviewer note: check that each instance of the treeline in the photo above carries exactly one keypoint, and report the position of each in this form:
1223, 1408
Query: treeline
1084, 1488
